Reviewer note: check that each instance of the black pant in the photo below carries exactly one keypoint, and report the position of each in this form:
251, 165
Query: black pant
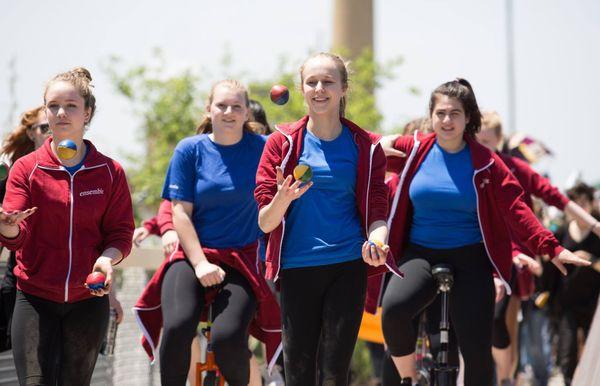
471, 305
501, 337
8, 293
566, 351
321, 311
57, 341
182, 301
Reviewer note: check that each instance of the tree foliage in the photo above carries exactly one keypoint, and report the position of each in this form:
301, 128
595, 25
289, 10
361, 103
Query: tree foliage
170, 107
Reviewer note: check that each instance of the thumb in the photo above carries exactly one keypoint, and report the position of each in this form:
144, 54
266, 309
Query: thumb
279, 175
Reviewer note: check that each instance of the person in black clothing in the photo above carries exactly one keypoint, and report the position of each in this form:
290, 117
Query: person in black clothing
574, 297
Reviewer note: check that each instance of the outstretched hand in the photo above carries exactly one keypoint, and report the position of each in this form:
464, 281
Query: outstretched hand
15, 217
568, 257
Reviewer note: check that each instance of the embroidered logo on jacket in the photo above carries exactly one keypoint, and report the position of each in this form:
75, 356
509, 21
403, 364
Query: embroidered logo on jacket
91, 192
484, 182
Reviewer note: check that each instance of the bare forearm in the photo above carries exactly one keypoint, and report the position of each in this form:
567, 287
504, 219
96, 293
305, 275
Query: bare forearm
271, 215
188, 238
112, 253
578, 213
378, 231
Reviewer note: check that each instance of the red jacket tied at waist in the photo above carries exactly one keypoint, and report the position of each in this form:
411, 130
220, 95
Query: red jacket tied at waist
266, 325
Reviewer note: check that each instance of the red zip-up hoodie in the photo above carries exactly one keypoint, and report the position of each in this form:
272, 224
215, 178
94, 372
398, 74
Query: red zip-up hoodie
500, 206
533, 184
284, 148
78, 217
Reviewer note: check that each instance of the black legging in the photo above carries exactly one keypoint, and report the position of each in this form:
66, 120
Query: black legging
501, 337
182, 301
471, 305
321, 311
8, 289
43, 331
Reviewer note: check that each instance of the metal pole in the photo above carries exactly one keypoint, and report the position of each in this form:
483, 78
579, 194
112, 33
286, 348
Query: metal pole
510, 69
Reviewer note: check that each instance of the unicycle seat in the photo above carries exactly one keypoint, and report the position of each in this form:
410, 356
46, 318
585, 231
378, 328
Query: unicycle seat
442, 273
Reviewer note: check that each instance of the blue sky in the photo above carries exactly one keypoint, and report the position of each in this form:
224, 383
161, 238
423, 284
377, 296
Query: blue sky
556, 50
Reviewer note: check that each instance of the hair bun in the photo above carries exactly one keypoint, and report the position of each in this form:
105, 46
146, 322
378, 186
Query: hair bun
82, 72
465, 83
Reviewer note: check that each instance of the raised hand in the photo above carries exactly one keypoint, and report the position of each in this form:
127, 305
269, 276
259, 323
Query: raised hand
288, 191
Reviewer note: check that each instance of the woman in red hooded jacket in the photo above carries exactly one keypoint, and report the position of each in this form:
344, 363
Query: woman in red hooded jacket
66, 218
318, 229
533, 184
454, 204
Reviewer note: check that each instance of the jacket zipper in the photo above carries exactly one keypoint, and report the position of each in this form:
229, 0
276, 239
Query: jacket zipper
508, 290
70, 237
372, 150
283, 165
72, 203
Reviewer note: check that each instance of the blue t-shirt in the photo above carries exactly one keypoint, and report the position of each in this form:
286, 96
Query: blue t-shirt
323, 226
444, 201
219, 180
74, 168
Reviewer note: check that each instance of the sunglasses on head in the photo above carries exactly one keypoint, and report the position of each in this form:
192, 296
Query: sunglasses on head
44, 127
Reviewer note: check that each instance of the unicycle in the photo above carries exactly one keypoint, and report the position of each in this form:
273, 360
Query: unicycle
213, 376
441, 373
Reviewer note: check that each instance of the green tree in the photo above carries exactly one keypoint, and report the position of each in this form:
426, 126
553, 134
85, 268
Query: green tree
170, 107
366, 75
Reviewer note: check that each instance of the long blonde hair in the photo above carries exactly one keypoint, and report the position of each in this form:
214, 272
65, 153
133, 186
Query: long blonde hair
205, 126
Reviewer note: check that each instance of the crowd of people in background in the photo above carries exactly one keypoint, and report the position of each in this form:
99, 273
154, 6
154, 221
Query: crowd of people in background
293, 263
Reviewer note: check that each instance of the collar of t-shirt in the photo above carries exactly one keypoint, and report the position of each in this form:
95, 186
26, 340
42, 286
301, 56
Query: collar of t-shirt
75, 168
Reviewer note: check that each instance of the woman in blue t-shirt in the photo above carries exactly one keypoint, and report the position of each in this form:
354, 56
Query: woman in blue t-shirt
318, 229
210, 181
455, 204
